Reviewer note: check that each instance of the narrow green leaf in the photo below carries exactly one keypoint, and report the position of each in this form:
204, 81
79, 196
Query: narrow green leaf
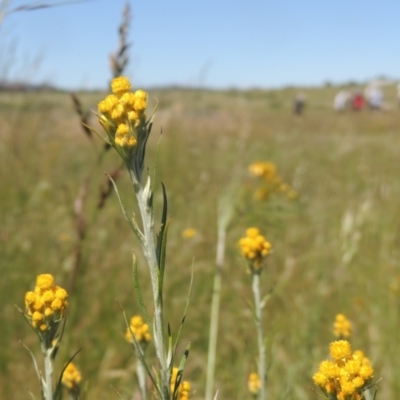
265, 300
161, 237
170, 353
31, 395
137, 289
29, 322
180, 370
131, 221
97, 133
186, 308
252, 309
34, 363
139, 354
143, 135
57, 391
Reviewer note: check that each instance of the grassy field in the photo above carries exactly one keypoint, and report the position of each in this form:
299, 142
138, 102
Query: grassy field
336, 247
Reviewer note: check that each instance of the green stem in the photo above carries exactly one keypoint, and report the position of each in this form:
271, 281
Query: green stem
141, 375
260, 338
150, 253
216, 297
47, 384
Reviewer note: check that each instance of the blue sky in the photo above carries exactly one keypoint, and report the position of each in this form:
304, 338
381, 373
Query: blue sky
210, 43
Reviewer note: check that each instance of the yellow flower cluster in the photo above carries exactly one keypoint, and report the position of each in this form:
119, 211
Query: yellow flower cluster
122, 112
140, 330
254, 247
46, 304
342, 326
347, 375
188, 233
266, 170
71, 377
184, 387
254, 383
273, 181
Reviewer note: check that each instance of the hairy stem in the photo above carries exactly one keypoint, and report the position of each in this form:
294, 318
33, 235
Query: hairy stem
149, 248
260, 337
48, 373
141, 375
216, 296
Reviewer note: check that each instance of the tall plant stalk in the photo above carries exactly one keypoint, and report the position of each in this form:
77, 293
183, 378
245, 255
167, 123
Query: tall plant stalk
260, 337
225, 216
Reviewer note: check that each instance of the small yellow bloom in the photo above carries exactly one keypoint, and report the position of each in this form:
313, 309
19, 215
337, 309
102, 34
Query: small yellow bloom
37, 316
56, 304
105, 106
128, 100
183, 389
140, 100
71, 377
30, 297
120, 85
60, 293
254, 383
358, 381
347, 376
125, 141
42, 302
342, 326
330, 369
48, 312
254, 247
252, 232
366, 372
347, 387
117, 112
133, 116
188, 233
44, 281
320, 379
48, 296
139, 329
340, 349
122, 130
37, 304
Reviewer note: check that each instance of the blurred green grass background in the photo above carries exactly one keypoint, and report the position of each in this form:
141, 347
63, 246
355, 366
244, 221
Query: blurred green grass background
336, 248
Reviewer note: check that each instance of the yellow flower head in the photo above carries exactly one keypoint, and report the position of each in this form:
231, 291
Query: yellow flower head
366, 372
254, 383
266, 170
140, 100
254, 247
120, 85
44, 281
140, 330
340, 350
122, 130
122, 113
347, 375
183, 389
107, 105
320, 379
46, 304
71, 377
330, 369
342, 326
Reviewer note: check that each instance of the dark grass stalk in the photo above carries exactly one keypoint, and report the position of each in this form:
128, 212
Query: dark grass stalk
118, 64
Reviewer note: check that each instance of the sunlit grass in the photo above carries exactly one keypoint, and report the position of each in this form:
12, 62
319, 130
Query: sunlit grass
335, 162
